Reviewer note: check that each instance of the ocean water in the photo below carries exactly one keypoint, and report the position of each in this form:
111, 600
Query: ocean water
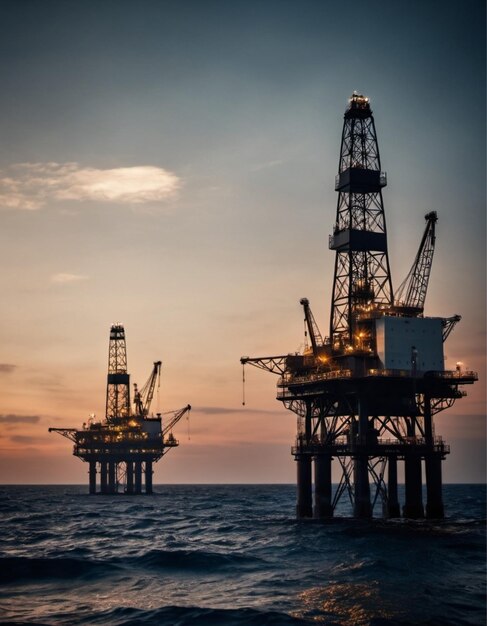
233, 555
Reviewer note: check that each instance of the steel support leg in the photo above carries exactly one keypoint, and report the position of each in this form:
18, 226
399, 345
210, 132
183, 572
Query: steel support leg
148, 477
392, 508
138, 476
92, 477
112, 477
304, 506
130, 477
322, 505
103, 477
413, 506
434, 500
362, 507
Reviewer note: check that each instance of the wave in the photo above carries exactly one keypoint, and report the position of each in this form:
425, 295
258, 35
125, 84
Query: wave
193, 560
193, 616
13, 569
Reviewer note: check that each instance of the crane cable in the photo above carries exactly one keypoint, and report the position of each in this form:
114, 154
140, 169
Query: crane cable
243, 384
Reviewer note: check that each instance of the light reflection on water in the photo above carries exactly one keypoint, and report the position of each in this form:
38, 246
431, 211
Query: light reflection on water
349, 604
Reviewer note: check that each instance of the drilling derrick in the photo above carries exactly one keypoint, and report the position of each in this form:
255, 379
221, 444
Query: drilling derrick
362, 277
123, 448
118, 381
367, 394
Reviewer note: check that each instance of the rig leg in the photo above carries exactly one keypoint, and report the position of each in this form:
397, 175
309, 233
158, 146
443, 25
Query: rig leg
92, 477
362, 507
138, 476
304, 506
413, 506
322, 505
130, 477
112, 477
434, 500
392, 508
103, 477
148, 477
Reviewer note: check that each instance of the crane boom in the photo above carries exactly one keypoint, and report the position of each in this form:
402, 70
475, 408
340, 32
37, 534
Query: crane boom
176, 416
412, 291
273, 364
313, 330
143, 398
69, 433
449, 324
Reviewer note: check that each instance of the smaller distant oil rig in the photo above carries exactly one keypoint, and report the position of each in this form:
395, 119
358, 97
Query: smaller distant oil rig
122, 449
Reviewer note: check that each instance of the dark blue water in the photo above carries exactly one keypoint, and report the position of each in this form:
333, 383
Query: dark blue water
224, 555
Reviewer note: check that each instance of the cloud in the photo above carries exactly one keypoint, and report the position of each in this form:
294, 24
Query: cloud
221, 410
30, 186
7, 368
10, 418
67, 278
24, 439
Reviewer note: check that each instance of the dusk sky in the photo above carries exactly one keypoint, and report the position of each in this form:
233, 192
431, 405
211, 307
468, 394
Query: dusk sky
170, 165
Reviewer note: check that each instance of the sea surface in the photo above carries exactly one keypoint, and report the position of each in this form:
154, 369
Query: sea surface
234, 555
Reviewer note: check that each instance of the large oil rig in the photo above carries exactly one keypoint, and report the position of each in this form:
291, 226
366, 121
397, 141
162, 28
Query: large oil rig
123, 448
366, 394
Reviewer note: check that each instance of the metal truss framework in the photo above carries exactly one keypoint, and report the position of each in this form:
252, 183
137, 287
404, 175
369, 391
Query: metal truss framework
362, 272
118, 381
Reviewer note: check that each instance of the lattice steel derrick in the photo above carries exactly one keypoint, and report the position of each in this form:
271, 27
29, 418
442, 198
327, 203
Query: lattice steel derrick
118, 381
362, 279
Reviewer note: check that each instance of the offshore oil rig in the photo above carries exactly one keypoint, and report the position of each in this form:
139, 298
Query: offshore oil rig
123, 448
367, 394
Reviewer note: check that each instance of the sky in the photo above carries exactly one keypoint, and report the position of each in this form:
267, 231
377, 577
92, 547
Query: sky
170, 165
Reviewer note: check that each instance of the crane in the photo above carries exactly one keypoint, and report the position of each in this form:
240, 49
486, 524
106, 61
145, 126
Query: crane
411, 293
313, 330
143, 398
176, 416
449, 324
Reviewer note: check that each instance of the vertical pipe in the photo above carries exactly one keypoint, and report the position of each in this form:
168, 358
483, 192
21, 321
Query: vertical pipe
148, 477
413, 506
393, 509
428, 422
307, 422
138, 476
92, 472
112, 477
103, 477
130, 477
304, 505
323, 501
362, 507
434, 498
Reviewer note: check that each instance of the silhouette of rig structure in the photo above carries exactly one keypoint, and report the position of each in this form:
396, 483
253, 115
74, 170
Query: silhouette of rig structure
367, 394
123, 448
